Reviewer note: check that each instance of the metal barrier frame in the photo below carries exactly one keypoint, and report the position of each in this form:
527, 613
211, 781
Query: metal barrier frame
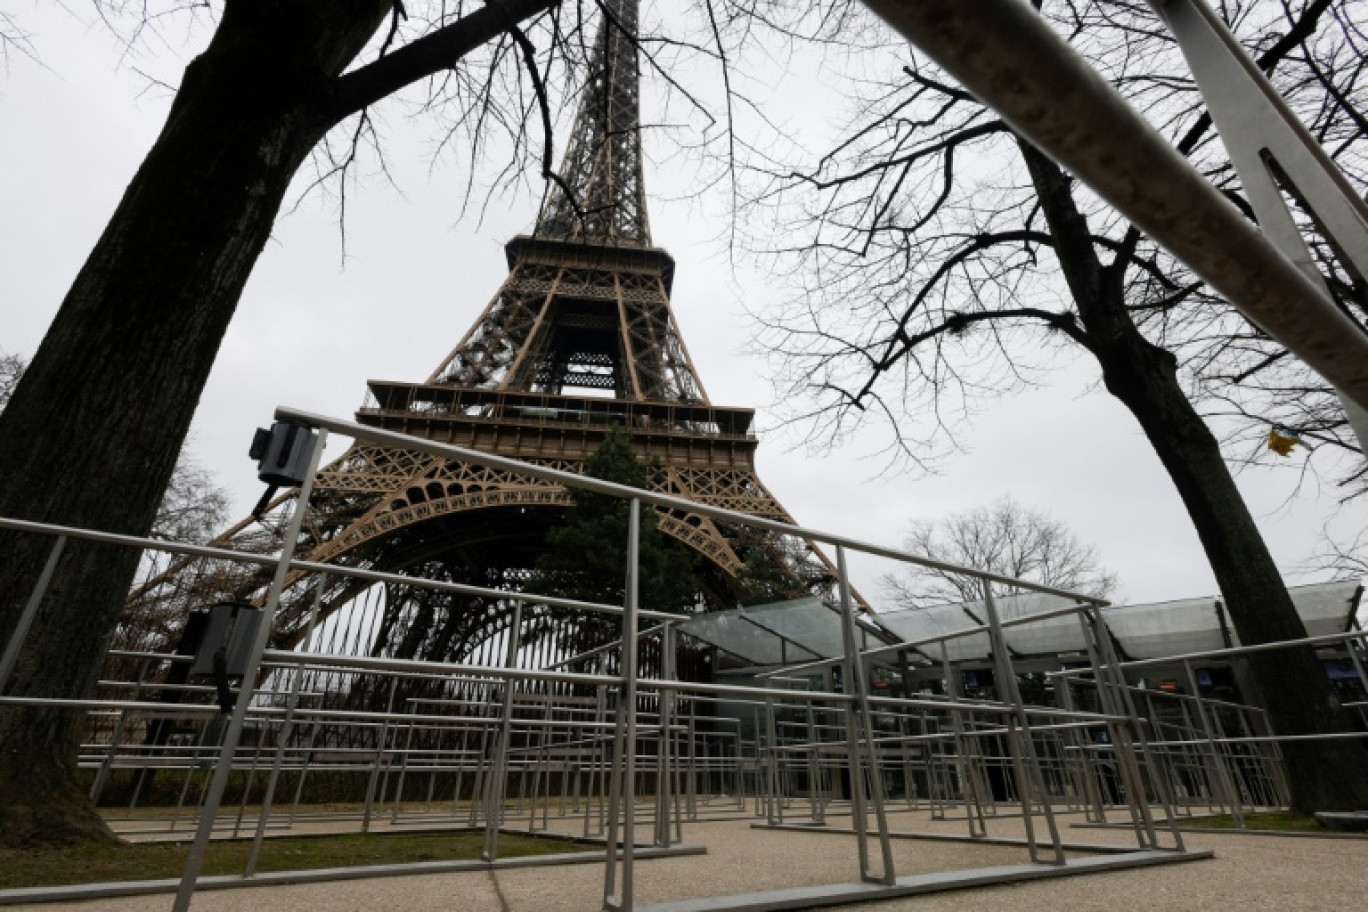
861, 746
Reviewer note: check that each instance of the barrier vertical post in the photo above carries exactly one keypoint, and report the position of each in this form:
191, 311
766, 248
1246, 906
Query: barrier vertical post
496, 782
624, 785
195, 863
860, 738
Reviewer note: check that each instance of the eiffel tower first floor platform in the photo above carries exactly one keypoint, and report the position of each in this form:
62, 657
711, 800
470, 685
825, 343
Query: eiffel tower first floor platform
402, 511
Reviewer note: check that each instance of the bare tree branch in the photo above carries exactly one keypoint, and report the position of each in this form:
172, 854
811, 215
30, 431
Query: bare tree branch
1004, 537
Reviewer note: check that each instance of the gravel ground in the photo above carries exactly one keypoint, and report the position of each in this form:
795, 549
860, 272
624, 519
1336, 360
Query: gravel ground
1249, 873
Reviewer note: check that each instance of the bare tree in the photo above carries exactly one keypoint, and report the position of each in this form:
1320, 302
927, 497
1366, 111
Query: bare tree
11, 369
966, 263
193, 509
133, 342
1344, 558
14, 40
135, 337
1243, 376
194, 506
1004, 538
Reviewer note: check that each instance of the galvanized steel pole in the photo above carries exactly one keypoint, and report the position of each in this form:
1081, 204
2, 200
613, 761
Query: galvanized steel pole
16, 641
224, 764
1261, 132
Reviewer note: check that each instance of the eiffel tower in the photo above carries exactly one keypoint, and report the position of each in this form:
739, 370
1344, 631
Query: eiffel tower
580, 337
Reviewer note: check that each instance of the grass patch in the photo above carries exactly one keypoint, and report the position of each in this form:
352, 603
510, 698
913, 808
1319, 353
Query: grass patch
1267, 821
82, 864
250, 812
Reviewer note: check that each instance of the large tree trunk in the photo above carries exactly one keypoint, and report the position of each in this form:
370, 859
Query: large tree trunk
1292, 684
111, 392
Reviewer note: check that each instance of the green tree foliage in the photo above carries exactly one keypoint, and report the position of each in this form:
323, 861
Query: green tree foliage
586, 553
767, 577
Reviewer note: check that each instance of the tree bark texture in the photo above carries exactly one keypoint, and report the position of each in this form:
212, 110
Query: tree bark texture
91, 435
1292, 684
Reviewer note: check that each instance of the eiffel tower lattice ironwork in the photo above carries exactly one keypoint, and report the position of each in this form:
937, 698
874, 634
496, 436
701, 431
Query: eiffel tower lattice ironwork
580, 337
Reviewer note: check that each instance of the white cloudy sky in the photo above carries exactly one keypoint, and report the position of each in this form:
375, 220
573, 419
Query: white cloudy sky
311, 329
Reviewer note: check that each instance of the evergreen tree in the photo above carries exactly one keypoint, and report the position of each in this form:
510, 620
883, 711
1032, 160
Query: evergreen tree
765, 577
586, 553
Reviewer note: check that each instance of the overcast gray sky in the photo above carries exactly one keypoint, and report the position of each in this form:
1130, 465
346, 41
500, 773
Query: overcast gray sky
311, 329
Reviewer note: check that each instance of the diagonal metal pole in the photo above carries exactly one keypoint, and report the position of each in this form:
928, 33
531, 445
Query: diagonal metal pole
195, 863
286, 730
381, 759
1026, 763
21, 630
1111, 680
965, 762
1269, 146
496, 785
665, 757
861, 742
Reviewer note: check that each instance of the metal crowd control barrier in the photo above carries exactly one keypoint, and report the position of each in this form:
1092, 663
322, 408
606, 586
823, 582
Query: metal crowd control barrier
628, 751
1207, 765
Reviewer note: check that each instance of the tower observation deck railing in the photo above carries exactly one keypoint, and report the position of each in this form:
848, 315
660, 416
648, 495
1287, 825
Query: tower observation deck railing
394, 400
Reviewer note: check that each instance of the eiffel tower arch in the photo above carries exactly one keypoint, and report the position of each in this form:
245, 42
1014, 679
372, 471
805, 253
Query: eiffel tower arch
580, 337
